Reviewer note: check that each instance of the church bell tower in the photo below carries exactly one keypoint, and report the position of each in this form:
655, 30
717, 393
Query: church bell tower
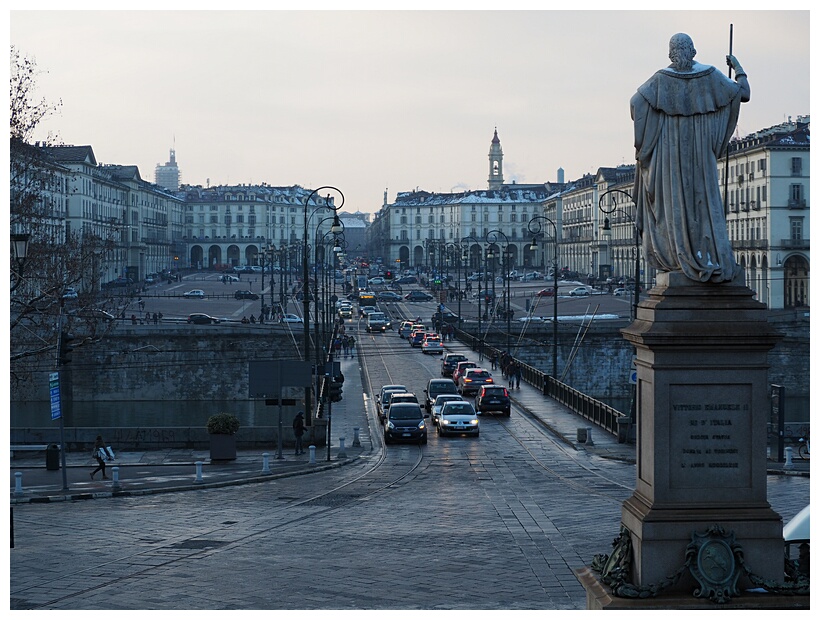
496, 179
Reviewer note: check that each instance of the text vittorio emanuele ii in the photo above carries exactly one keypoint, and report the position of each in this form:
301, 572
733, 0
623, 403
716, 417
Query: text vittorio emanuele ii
709, 429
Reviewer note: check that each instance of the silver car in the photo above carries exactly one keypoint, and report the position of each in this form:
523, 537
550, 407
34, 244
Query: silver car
458, 418
440, 401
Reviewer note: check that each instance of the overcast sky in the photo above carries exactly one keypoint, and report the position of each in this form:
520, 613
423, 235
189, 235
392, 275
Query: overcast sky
385, 100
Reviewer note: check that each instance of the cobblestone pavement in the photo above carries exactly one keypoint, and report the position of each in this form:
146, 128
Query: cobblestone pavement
498, 522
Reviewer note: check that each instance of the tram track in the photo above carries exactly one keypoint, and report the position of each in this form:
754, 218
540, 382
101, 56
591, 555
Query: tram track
374, 480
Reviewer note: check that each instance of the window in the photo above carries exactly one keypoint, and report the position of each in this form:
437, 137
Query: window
796, 195
796, 225
797, 166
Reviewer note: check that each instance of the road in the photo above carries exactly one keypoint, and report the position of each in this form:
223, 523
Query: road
166, 298
494, 522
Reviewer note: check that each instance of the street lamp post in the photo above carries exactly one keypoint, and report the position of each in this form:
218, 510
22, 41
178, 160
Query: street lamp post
613, 207
494, 234
637, 251
328, 204
481, 257
19, 245
534, 226
267, 261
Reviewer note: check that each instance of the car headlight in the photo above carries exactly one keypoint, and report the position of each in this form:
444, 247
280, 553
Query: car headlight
445, 421
390, 425
421, 425
474, 422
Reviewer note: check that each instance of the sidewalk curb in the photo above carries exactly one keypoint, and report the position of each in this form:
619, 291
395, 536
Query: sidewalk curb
194, 486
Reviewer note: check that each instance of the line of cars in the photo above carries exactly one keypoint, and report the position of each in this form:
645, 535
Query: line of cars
417, 335
445, 403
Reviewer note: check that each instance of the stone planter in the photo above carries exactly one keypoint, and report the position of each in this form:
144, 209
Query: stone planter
223, 447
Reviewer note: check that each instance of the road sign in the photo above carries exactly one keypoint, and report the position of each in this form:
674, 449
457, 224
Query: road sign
54, 391
633, 377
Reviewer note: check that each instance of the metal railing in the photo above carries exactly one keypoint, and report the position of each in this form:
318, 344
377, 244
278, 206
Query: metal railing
599, 413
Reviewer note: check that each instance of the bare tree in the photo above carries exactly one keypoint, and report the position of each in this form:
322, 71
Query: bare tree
61, 262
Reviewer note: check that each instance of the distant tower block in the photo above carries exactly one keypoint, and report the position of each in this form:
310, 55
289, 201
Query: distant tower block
167, 175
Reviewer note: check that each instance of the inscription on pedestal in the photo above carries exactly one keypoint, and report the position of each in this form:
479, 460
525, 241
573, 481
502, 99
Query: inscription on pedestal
710, 436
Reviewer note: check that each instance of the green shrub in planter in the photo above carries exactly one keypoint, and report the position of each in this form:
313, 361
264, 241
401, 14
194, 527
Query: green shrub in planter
223, 424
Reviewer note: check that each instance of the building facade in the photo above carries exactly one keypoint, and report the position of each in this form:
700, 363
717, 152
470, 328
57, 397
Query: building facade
593, 219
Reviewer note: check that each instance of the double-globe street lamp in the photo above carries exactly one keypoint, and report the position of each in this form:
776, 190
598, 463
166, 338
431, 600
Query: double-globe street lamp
466, 257
534, 226
613, 207
329, 203
267, 264
492, 237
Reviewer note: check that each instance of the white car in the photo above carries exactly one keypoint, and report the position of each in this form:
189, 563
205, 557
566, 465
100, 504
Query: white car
619, 292
533, 275
458, 418
290, 318
376, 281
579, 291
194, 294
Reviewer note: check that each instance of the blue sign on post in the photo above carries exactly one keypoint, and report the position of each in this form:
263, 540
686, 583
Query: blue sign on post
54, 390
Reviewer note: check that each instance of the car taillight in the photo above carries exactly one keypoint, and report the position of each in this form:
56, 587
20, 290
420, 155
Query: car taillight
506, 393
489, 380
468, 380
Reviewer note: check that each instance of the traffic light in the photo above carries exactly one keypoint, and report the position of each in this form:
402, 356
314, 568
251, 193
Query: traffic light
335, 391
388, 275
65, 348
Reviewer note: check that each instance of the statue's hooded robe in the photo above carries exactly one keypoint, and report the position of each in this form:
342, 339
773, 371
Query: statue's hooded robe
683, 123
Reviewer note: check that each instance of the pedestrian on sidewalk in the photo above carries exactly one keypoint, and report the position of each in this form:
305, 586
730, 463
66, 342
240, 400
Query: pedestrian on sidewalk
298, 431
494, 361
100, 450
517, 373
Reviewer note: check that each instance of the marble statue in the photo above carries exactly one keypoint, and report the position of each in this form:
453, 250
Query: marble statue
684, 117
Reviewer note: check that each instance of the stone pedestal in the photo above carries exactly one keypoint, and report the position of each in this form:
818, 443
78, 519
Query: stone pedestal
701, 423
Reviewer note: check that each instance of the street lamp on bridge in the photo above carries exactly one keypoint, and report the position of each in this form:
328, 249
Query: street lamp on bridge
329, 203
534, 226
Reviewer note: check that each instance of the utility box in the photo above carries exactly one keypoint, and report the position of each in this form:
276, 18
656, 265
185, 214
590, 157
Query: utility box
53, 457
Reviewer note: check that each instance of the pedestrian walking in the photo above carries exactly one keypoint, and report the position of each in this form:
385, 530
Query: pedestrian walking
517, 375
156, 318
352, 345
494, 361
298, 431
100, 453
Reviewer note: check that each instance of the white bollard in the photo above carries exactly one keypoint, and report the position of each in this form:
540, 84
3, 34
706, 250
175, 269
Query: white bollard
312, 450
199, 479
342, 454
589, 441
356, 442
115, 479
788, 451
18, 483
265, 463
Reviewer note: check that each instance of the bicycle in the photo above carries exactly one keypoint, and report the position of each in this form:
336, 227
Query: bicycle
803, 448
